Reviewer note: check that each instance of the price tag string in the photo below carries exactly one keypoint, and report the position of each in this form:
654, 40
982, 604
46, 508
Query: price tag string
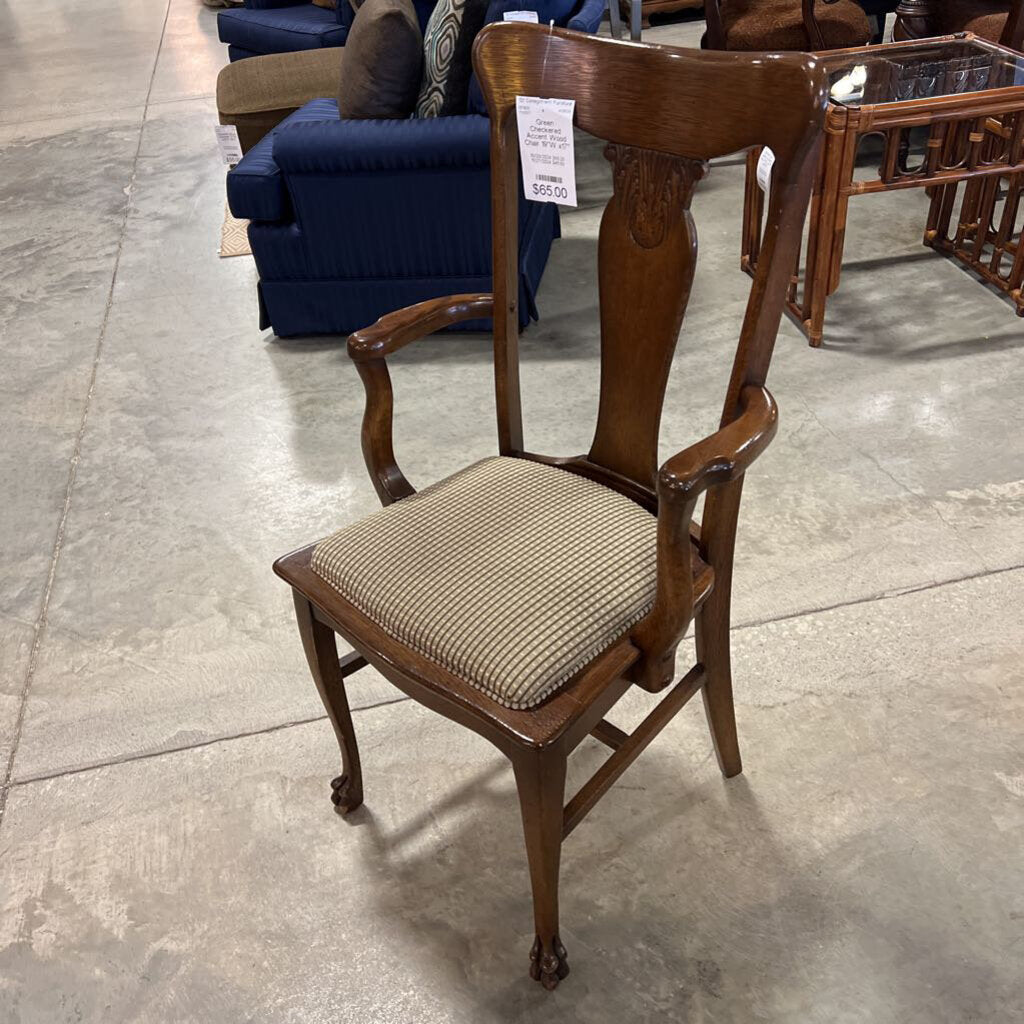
547, 49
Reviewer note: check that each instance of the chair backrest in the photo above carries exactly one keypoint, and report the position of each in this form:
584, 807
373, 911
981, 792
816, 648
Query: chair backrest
664, 113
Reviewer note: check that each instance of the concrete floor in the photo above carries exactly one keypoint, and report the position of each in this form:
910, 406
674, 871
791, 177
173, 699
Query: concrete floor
167, 848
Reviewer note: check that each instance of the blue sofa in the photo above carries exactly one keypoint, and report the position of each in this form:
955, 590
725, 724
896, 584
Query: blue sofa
284, 26
350, 220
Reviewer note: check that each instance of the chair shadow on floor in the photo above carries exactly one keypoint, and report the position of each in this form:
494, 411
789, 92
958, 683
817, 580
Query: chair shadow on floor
714, 915
465, 896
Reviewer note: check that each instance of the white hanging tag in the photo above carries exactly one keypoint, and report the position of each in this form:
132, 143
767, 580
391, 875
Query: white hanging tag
528, 16
546, 149
227, 140
765, 163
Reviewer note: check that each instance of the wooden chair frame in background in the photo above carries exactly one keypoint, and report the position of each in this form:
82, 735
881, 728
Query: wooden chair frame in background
920, 19
664, 113
716, 28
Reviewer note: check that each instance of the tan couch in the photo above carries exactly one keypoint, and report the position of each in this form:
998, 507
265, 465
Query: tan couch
256, 94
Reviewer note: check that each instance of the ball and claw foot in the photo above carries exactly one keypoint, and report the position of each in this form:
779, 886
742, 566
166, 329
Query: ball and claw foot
549, 966
344, 795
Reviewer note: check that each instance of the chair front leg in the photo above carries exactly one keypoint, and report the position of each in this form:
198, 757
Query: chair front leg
322, 654
540, 778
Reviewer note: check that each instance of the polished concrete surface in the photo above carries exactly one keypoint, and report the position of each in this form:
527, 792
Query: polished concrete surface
167, 848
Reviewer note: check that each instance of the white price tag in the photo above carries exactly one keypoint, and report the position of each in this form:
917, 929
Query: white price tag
765, 163
530, 16
227, 140
546, 149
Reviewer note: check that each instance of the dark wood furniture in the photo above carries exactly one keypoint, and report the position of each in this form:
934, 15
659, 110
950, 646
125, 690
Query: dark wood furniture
710, 105
755, 25
964, 90
999, 20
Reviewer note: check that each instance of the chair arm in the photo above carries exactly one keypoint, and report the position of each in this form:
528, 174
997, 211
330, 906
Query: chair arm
395, 330
719, 459
811, 26
587, 18
368, 348
723, 456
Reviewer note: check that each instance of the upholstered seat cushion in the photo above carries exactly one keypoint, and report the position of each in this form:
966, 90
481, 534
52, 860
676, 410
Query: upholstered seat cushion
752, 25
282, 29
511, 574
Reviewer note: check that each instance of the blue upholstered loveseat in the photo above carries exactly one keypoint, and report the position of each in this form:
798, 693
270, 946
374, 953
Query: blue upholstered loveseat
282, 26
350, 220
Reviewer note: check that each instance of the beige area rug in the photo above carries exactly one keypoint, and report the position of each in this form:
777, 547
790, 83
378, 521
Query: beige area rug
234, 238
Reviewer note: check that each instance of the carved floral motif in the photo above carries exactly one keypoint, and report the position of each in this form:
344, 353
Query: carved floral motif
654, 189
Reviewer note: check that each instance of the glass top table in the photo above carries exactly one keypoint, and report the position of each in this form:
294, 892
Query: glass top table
949, 113
897, 73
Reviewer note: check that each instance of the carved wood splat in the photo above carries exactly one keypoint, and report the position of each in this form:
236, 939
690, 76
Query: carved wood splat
655, 189
647, 251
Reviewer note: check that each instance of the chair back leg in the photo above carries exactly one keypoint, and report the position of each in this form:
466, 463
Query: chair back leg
711, 626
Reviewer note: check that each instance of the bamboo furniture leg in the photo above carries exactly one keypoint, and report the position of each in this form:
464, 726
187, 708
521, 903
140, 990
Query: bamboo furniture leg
329, 676
818, 268
847, 164
753, 214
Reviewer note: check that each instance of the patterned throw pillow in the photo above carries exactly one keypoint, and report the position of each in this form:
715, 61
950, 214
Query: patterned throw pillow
447, 53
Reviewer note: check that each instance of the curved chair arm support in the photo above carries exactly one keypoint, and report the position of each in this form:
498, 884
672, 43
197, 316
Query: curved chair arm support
1013, 30
716, 30
368, 348
719, 459
811, 26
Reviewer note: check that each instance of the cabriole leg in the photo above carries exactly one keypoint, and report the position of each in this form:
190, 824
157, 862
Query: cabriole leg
322, 655
540, 778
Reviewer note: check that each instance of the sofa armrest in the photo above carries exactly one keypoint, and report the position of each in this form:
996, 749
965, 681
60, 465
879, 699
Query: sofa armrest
587, 17
256, 189
338, 147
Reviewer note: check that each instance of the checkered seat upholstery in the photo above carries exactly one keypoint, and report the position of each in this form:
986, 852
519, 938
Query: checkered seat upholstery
511, 574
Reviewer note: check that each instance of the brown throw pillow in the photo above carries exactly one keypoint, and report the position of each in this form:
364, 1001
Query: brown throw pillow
382, 62
331, 5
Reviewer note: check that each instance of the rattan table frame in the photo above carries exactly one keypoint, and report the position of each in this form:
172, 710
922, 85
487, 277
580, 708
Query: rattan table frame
976, 137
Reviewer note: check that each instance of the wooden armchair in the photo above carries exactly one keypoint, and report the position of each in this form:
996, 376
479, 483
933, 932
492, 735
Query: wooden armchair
998, 20
805, 25
524, 595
